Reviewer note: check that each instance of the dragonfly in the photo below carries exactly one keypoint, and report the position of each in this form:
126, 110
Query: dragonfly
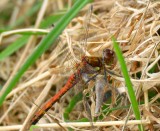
88, 66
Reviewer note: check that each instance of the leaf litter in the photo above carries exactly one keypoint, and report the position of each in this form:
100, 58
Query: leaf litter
136, 27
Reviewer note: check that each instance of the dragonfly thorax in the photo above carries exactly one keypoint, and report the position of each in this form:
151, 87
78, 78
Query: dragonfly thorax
108, 58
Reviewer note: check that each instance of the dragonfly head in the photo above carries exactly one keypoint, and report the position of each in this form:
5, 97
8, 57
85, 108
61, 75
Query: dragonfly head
109, 57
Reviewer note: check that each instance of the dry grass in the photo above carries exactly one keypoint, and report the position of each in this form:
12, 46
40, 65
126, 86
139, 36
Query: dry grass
136, 27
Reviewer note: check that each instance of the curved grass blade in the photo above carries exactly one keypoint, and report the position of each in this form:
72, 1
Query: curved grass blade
13, 47
130, 89
44, 45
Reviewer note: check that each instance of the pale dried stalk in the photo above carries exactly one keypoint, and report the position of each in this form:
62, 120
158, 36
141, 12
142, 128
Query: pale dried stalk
79, 124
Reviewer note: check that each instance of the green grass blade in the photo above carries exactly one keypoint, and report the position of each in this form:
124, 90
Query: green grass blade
48, 21
71, 105
13, 47
130, 89
45, 44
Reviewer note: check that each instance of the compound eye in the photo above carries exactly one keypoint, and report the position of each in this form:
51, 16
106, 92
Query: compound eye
108, 56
